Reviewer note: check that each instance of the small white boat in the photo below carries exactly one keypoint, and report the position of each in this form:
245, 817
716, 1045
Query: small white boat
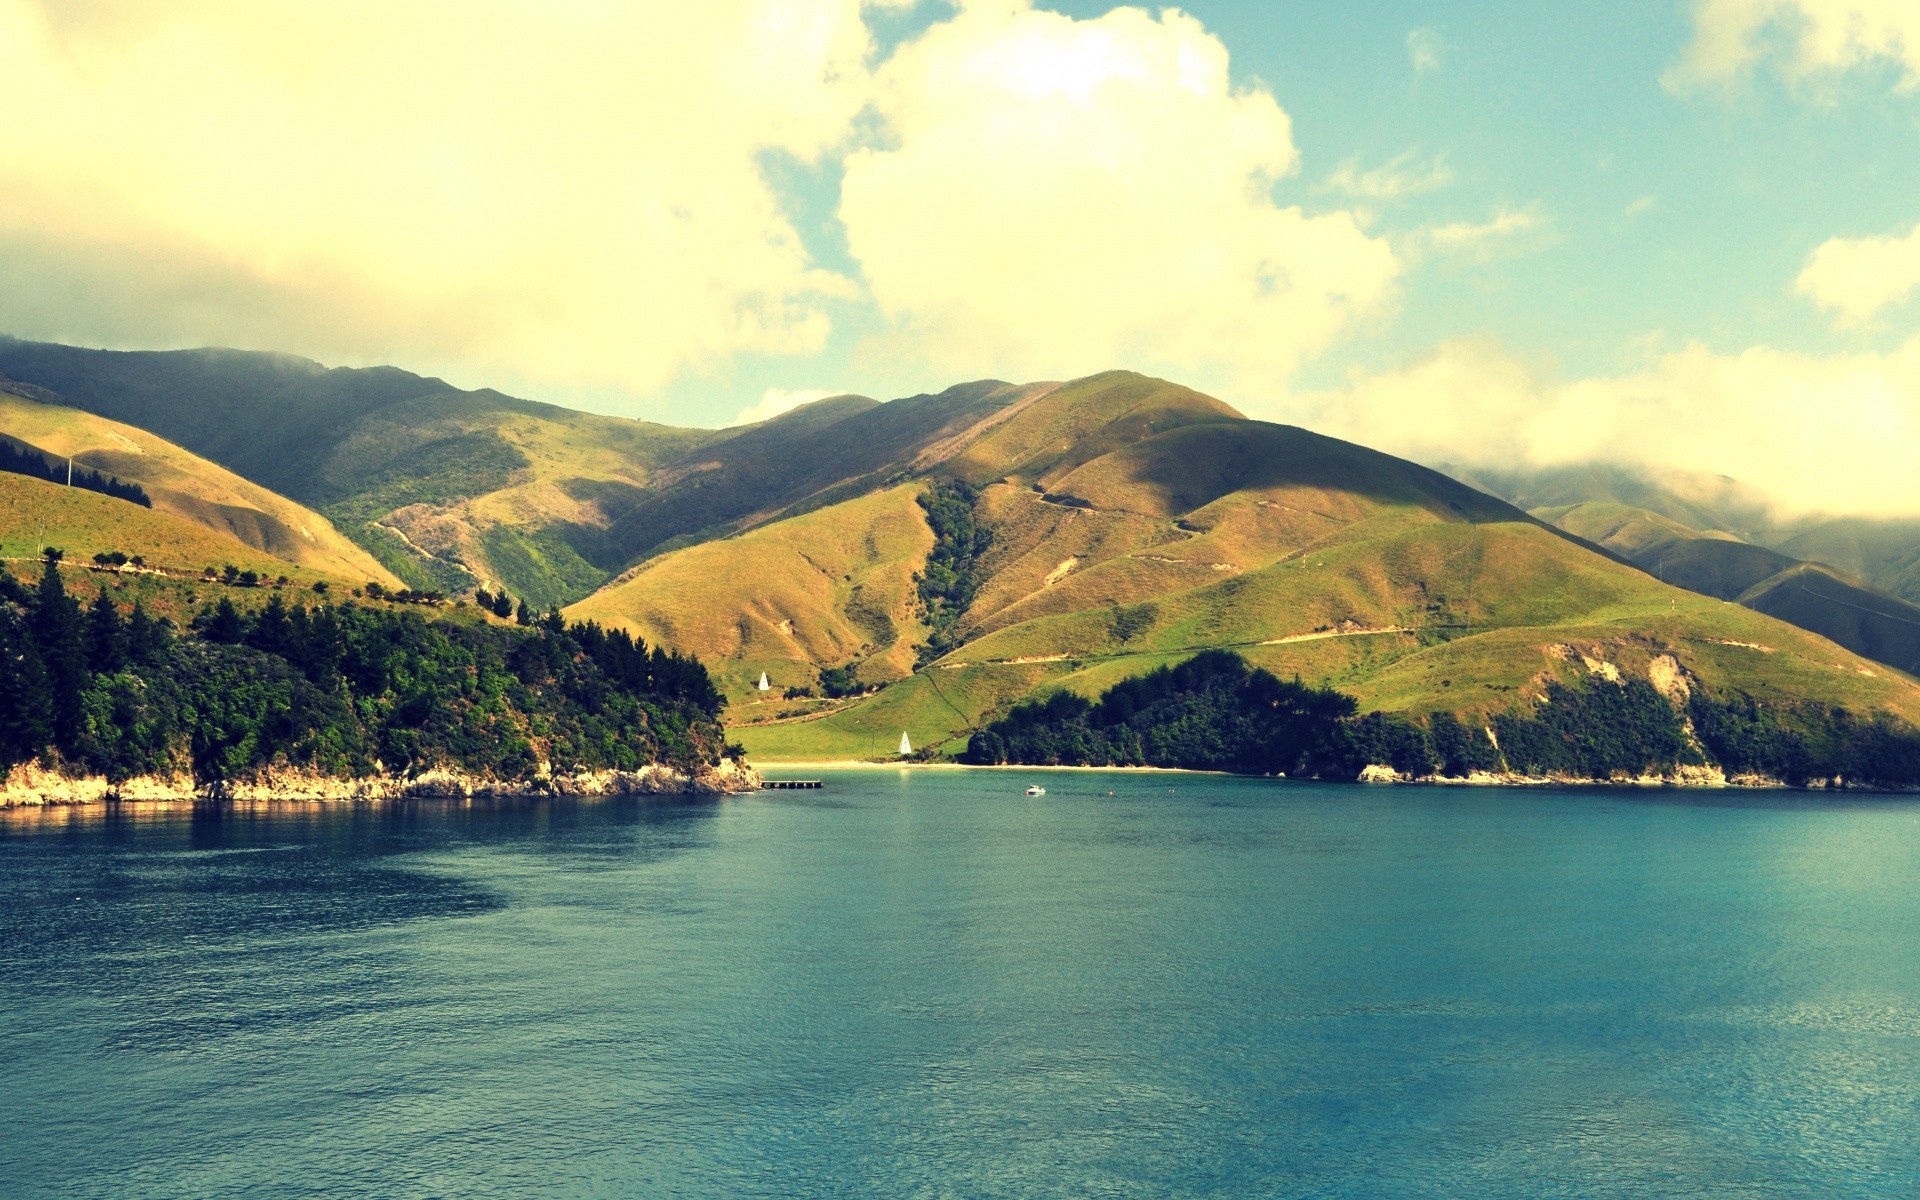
1036, 790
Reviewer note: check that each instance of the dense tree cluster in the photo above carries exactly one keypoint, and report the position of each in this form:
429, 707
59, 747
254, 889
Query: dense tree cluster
1596, 729
952, 575
346, 691
1216, 712
17, 459
1211, 712
1806, 743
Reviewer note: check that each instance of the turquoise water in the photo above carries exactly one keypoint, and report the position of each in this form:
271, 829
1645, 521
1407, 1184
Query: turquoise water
930, 985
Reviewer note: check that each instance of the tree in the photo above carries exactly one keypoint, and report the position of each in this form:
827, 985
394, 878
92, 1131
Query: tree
523, 615
26, 711
146, 638
223, 625
106, 639
503, 605
57, 633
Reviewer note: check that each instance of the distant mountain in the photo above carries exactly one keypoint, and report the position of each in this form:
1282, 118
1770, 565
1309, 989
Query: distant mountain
1882, 552
1813, 596
1132, 522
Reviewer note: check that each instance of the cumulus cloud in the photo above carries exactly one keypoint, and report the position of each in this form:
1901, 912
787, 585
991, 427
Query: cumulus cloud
569, 192
1831, 434
1056, 196
775, 401
1857, 277
1805, 37
1405, 175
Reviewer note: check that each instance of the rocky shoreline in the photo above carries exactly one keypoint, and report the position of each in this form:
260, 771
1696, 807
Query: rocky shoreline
33, 786
1681, 777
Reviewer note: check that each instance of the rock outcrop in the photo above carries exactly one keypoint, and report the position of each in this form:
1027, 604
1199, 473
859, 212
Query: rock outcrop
32, 784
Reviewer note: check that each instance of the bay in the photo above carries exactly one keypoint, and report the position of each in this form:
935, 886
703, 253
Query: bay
924, 983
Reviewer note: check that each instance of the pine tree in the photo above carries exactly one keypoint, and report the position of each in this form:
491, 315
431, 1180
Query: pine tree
523, 615
223, 624
146, 638
106, 640
26, 715
503, 605
57, 632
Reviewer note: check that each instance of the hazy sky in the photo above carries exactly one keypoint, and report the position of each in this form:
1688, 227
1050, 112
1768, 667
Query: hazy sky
1655, 230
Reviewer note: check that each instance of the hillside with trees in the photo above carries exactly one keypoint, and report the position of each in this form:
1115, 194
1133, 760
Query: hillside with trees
336, 693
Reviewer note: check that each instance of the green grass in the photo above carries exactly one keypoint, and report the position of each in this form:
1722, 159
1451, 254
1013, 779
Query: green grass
189, 487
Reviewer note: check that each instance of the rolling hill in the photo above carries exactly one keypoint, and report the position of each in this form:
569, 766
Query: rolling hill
186, 486
456, 489
1813, 596
34, 513
1881, 552
1134, 522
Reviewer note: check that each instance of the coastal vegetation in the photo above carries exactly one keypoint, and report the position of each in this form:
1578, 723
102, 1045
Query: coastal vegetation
1216, 712
347, 692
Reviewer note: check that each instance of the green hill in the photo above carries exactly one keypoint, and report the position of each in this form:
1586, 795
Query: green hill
34, 513
187, 486
1134, 522
1811, 595
456, 489
1881, 552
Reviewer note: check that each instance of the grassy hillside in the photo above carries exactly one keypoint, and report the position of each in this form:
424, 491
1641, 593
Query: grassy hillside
1134, 522
1881, 552
187, 486
453, 489
829, 588
34, 514
1813, 596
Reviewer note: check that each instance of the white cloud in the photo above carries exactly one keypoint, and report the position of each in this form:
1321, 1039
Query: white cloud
1807, 37
1642, 206
571, 192
1424, 48
1057, 196
775, 401
1405, 175
1481, 239
1832, 434
1857, 277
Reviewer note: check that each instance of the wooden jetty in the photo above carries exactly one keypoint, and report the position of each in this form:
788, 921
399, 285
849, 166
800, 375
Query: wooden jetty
784, 784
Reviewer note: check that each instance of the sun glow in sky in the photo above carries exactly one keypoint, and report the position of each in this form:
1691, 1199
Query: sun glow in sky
1681, 234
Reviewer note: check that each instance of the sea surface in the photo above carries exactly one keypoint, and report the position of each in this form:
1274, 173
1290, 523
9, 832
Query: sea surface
927, 984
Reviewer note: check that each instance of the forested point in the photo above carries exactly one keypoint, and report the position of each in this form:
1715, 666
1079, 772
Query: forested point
1216, 712
17, 458
345, 691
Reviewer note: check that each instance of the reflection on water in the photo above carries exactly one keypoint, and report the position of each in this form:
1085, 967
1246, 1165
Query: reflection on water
928, 984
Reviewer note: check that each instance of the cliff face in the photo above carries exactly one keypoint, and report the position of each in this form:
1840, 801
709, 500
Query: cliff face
34, 785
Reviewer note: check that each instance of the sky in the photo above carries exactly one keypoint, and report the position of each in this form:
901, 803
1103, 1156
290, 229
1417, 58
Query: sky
1676, 233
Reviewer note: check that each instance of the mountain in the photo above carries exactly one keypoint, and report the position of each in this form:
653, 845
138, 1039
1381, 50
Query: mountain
1813, 596
185, 485
1881, 552
922, 564
1131, 522
455, 489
